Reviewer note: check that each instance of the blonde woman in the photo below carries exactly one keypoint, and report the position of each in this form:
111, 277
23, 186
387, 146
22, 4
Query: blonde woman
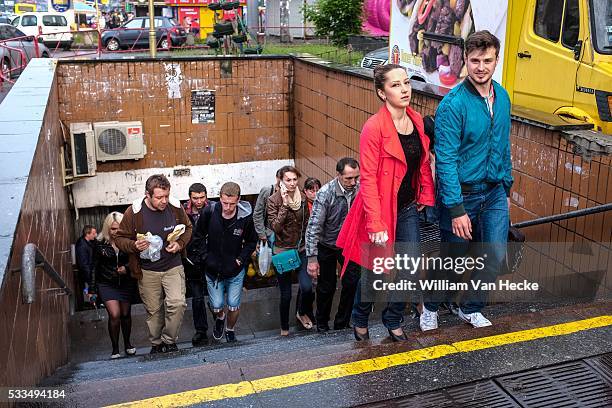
114, 285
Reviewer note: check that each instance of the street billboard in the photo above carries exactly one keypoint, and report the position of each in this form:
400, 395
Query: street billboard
426, 36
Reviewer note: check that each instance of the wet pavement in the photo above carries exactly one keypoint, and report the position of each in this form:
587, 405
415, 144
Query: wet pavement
260, 356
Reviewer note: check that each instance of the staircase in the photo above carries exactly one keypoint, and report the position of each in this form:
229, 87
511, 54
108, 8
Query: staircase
227, 370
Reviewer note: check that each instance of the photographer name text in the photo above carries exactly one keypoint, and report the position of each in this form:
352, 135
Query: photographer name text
444, 285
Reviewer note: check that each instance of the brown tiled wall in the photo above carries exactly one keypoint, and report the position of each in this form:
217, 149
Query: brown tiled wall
251, 118
33, 340
330, 108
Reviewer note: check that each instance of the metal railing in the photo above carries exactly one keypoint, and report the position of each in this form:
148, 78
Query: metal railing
8, 64
32, 259
565, 216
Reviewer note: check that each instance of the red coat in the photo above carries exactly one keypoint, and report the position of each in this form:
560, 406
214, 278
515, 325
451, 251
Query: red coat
383, 166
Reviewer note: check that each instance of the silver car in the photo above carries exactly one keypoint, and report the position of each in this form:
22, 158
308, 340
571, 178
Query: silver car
374, 58
11, 41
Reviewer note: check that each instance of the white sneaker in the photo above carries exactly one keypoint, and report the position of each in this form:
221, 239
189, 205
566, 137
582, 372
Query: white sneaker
475, 319
428, 320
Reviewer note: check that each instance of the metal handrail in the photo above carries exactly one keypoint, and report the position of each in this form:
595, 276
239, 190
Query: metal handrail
31, 259
565, 216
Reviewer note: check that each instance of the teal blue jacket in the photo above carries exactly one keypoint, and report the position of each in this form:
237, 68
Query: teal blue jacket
471, 146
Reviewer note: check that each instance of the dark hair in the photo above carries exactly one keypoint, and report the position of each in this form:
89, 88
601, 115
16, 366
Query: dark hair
87, 229
230, 189
346, 161
380, 76
157, 181
481, 40
288, 169
430, 129
311, 182
197, 188
278, 173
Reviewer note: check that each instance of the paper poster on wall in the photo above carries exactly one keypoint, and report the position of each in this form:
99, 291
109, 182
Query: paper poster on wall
427, 35
203, 106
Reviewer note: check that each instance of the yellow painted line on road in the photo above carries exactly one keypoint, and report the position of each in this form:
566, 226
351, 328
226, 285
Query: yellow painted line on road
245, 388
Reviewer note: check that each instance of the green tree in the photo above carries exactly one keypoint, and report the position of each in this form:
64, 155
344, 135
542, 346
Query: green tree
335, 18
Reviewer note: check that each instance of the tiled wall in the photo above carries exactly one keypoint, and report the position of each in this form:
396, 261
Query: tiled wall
251, 112
33, 339
330, 107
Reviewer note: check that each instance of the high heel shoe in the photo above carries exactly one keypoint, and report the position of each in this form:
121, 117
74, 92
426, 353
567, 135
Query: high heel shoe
395, 337
361, 337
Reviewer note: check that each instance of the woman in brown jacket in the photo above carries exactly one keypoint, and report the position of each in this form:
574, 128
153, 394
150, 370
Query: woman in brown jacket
288, 217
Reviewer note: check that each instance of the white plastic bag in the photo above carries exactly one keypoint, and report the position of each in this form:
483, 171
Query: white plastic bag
153, 252
264, 258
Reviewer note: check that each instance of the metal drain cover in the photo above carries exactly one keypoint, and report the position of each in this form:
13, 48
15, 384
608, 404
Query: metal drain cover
569, 385
484, 394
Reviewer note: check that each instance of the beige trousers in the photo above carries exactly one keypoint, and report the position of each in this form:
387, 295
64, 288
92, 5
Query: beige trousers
163, 296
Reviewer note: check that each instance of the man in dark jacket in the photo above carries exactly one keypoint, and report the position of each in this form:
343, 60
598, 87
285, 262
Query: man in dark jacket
223, 243
84, 255
196, 286
329, 210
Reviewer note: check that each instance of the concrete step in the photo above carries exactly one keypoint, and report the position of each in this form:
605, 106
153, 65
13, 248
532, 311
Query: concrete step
261, 357
266, 347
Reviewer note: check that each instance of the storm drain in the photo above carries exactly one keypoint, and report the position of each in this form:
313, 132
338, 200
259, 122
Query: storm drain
603, 365
475, 395
570, 385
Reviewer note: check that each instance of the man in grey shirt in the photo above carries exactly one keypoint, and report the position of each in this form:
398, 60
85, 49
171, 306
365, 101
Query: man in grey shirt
260, 216
328, 213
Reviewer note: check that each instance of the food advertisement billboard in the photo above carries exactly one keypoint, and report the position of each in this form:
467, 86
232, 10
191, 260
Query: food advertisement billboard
427, 35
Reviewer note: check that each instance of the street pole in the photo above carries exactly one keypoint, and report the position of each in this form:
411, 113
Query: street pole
98, 27
152, 41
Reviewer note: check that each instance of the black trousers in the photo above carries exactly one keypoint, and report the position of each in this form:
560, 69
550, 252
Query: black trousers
197, 290
326, 287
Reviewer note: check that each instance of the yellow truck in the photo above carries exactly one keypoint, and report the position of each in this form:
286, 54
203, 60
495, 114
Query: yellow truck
556, 56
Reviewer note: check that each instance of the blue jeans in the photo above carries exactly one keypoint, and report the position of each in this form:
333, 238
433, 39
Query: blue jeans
487, 208
217, 290
407, 231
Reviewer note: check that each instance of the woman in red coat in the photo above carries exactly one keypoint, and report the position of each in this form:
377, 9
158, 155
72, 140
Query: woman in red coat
396, 183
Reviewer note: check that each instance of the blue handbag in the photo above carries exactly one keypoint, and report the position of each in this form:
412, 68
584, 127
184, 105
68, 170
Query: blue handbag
286, 261
289, 260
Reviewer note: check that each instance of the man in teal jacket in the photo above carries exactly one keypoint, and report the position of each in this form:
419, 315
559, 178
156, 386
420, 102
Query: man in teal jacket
474, 173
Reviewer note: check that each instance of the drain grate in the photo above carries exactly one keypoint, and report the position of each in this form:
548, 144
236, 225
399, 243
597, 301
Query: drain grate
484, 394
603, 365
569, 385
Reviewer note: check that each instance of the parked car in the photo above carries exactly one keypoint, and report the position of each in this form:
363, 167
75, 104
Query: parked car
53, 27
12, 40
374, 58
136, 33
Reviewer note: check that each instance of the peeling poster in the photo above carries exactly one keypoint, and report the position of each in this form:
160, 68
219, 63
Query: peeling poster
203, 106
174, 79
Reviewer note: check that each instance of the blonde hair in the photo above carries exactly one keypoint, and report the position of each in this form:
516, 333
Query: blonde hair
115, 216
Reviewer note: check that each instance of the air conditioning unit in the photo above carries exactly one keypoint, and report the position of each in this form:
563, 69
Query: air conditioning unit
119, 141
82, 143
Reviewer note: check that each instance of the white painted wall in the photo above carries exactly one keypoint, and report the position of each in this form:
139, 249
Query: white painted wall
123, 187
